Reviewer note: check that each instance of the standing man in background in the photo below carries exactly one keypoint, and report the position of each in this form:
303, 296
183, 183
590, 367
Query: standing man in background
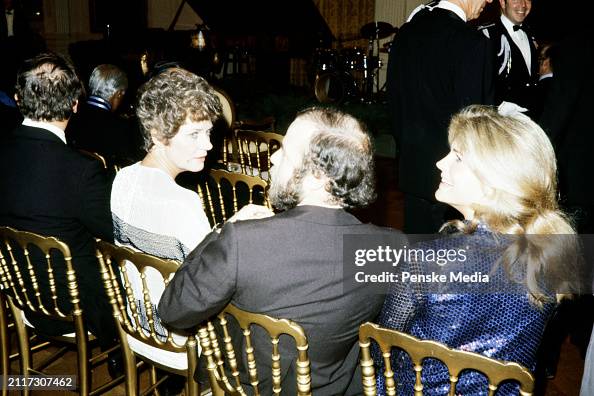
515, 53
438, 64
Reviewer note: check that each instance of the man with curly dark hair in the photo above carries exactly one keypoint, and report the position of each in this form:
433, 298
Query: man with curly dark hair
290, 265
51, 189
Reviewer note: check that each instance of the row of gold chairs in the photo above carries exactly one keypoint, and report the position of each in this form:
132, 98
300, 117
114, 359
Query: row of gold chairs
19, 293
248, 144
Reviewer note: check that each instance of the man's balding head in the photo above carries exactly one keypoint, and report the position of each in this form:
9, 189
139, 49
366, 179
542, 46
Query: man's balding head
328, 146
47, 88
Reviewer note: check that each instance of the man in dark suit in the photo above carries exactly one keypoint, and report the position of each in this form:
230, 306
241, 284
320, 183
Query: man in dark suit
516, 57
290, 265
546, 55
12, 22
96, 127
567, 119
437, 65
50, 189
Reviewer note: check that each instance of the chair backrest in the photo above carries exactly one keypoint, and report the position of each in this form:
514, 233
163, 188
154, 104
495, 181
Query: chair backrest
456, 361
140, 323
37, 273
255, 149
223, 193
96, 156
228, 107
219, 357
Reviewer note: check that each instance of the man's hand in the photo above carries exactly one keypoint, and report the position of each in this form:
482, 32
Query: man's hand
251, 212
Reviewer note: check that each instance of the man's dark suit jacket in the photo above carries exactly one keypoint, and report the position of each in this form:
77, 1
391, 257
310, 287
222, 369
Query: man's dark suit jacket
50, 189
567, 117
514, 83
437, 65
286, 266
103, 132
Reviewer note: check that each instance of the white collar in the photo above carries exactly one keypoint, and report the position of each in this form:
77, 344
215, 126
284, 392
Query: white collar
446, 5
547, 75
47, 126
509, 25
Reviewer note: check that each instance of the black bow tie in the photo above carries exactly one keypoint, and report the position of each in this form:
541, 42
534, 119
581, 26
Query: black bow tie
518, 27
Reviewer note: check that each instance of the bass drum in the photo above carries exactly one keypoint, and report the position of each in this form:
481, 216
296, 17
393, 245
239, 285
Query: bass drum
335, 87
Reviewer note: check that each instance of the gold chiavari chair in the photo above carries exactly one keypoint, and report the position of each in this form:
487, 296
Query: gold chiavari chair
223, 193
221, 356
456, 361
7, 328
23, 291
230, 150
255, 149
141, 334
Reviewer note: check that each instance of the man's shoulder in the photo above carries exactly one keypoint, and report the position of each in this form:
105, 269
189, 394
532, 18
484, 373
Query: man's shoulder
492, 30
43, 143
313, 219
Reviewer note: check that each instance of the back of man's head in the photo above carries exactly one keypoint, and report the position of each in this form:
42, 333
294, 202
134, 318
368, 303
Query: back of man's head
341, 150
47, 88
106, 80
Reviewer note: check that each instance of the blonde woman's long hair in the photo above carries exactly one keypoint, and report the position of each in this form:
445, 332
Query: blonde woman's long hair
514, 158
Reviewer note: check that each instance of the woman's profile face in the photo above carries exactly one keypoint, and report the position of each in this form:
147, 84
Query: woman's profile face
187, 150
459, 187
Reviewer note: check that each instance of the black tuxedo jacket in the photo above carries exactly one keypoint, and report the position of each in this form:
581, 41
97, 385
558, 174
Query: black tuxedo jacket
287, 266
514, 82
19, 25
437, 65
103, 132
50, 189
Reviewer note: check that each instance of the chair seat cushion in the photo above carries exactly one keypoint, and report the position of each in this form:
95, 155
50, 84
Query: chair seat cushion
176, 360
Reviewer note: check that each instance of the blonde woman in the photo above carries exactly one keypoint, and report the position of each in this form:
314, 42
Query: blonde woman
500, 174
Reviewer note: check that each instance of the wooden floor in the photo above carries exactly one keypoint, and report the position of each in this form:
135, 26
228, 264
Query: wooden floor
386, 211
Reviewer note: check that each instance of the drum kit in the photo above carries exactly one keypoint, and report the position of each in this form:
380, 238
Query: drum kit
350, 74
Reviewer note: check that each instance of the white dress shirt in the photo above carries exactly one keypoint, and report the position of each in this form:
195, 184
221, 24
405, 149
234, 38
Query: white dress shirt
9, 22
47, 126
446, 5
521, 39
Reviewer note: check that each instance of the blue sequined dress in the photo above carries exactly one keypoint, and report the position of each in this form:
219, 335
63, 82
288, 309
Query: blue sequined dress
502, 324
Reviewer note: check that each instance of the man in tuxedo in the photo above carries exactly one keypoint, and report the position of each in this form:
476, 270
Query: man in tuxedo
546, 55
567, 120
290, 265
12, 23
51, 189
516, 57
437, 65
96, 127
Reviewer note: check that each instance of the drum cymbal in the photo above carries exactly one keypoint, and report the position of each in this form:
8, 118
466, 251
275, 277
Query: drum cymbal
377, 30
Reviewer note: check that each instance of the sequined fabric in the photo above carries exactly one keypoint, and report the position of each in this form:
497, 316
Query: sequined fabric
503, 325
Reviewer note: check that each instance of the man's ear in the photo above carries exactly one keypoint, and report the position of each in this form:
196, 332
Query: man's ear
75, 107
16, 98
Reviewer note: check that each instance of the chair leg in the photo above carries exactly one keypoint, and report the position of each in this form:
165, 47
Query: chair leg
84, 369
153, 379
5, 345
23, 345
132, 385
192, 387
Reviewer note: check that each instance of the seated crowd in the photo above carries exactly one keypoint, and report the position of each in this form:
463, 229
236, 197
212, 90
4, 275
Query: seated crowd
500, 175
